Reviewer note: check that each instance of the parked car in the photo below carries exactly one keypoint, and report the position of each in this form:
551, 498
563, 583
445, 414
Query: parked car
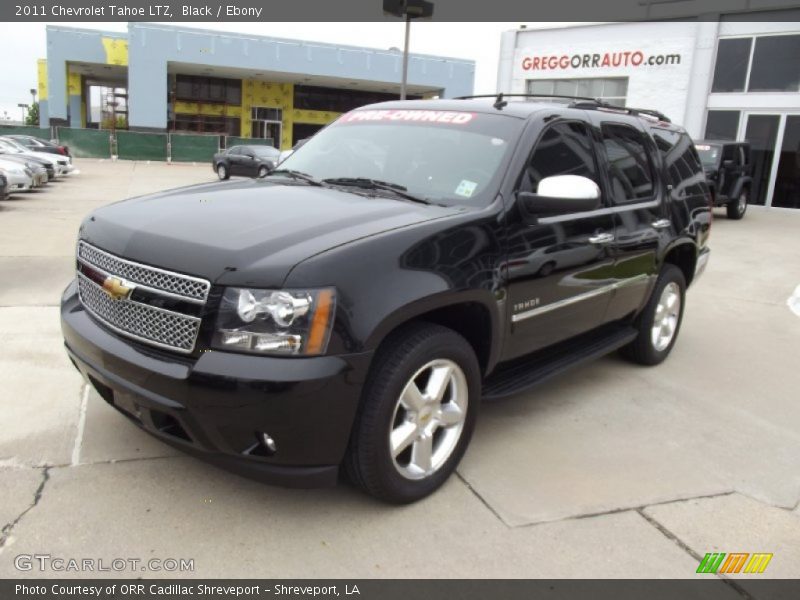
350, 310
19, 177
10, 153
727, 167
61, 165
251, 161
3, 185
39, 172
40, 145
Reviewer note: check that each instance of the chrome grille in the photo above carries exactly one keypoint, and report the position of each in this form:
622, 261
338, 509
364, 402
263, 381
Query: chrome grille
185, 286
143, 322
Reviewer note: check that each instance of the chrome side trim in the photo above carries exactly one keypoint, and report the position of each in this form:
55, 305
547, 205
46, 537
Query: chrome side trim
579, 298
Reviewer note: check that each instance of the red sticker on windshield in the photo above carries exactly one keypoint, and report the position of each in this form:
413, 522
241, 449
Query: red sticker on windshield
418, 116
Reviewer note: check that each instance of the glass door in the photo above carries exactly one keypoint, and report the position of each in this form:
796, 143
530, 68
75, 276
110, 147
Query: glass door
787, 179
266, 123
762, 133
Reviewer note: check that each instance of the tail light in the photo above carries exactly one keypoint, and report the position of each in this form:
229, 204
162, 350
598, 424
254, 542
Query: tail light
62, 150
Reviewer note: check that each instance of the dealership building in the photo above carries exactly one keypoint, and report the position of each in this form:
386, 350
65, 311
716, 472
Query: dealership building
166, 79
725, 80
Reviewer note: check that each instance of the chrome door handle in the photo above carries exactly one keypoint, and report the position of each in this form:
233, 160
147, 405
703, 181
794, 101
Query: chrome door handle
661, 224
601, 238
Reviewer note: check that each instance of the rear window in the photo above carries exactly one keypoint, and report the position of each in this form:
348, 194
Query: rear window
449, 157
681, 160
709, 154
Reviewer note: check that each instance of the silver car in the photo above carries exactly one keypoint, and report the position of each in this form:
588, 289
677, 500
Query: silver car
19, 177
61, 164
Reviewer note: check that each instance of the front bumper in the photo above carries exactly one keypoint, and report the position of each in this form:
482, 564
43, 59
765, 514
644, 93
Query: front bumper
215, 406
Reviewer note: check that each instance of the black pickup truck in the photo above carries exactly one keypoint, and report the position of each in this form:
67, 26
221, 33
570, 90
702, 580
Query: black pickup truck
349, 312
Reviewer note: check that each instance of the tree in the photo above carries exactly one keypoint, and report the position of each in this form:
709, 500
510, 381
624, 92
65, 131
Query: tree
33, 115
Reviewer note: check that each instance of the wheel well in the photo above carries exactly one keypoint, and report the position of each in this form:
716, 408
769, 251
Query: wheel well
684, 257
471, 320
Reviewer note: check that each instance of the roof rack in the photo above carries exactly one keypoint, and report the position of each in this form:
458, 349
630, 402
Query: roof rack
581, 102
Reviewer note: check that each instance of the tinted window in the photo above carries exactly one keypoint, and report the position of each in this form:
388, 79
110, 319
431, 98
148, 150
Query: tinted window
722, 124
235, 150
681, 160
730, 71
776, 64
630, 171
563, 149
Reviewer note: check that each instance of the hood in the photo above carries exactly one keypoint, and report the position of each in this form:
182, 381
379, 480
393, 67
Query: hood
253, 230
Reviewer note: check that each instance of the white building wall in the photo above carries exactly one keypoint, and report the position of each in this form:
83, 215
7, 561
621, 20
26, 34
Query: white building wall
661, 87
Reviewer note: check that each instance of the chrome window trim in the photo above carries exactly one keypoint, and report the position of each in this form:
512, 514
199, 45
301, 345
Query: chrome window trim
578, 298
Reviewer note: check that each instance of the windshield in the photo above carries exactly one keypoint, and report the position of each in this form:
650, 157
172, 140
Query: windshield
266, 151
709, 155
12, 145
7, 146
445, 157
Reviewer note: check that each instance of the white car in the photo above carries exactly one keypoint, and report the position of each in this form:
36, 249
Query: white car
61, 164
20, 178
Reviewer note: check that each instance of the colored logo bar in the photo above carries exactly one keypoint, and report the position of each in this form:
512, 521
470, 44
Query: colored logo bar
734, 562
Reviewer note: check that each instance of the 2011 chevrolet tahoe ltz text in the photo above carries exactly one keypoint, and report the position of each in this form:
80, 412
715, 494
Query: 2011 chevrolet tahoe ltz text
349, 311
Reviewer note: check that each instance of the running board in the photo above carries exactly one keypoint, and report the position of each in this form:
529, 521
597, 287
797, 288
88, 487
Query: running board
524, 373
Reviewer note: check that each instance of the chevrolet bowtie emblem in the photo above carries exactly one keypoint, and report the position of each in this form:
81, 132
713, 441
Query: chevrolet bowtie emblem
116, 288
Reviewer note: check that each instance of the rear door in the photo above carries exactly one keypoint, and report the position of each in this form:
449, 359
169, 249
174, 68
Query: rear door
557, 266
637, 194
234, 156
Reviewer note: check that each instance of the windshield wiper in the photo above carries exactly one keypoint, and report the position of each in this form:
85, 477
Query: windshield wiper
296, 175
376, 184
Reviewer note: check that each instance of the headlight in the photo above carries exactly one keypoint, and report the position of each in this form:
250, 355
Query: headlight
275, 321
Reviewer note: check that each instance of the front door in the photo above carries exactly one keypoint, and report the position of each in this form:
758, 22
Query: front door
762, 133
558, 267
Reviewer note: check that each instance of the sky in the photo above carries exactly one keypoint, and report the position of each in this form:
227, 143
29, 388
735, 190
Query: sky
26, 42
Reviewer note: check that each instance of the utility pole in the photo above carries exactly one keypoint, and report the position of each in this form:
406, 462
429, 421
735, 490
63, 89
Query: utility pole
408, 9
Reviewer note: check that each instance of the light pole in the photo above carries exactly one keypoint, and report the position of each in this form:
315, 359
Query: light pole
24, 107
33, 96
408, 9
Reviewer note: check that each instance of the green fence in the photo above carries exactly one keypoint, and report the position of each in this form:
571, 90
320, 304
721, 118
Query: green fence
86, 143
132, 145
232, 140
39, 132
188, 147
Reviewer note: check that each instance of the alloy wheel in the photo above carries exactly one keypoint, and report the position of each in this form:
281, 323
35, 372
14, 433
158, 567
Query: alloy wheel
665, 322
428, 419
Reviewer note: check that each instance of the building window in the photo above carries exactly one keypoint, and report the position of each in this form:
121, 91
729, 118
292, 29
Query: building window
776, 64
730, 72
722, 124
190, 88
613, 90
309, 97
190, 123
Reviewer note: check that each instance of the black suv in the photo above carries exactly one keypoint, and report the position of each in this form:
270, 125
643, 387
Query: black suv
352, 309
727, 167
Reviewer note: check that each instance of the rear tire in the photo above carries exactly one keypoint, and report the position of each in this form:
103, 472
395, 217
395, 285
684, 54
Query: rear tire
660, 321
737, 208
417, 414
222, 172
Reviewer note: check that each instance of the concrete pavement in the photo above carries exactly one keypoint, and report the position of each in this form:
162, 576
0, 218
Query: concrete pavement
612, 471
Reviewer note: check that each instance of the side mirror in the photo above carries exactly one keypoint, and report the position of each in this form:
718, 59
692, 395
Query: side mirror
560, 195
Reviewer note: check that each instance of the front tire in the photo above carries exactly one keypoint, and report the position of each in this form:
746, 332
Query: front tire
660, 321
417, 414
263, 171
222, 172
737, 208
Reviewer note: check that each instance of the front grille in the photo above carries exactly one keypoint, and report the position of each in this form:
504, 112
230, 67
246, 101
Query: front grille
144, 322
155, 326
191, 288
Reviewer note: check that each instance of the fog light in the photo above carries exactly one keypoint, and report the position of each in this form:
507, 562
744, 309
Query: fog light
267, 443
